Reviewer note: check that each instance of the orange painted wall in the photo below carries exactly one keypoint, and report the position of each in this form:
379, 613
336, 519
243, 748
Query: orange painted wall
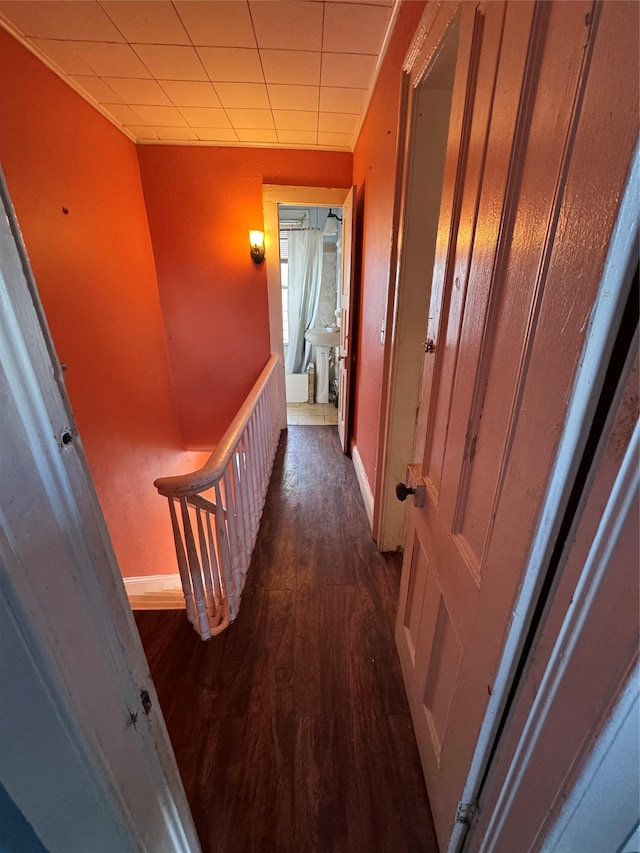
201, 203
95, 272
374, 165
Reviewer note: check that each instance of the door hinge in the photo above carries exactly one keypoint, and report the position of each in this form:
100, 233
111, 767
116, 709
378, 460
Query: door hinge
467, 813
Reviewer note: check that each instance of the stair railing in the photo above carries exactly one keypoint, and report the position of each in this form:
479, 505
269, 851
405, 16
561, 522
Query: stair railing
215, 511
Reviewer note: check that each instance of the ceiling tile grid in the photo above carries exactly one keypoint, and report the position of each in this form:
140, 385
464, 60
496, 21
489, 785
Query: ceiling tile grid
288, 73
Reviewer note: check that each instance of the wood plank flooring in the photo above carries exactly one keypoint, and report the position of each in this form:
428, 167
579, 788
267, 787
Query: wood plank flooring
291, 729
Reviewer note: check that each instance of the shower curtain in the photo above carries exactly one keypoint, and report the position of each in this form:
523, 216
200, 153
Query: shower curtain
305, 275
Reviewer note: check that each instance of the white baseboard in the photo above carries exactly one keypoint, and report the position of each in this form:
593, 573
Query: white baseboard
151, 583
363, 482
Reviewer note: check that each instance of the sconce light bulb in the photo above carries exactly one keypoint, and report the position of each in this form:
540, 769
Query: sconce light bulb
256, 242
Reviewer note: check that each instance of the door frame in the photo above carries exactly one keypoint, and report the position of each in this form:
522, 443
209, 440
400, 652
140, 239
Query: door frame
84, 719
613, 291
272, 196
397, 426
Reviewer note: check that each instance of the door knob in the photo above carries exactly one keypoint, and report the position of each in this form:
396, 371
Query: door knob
403, 492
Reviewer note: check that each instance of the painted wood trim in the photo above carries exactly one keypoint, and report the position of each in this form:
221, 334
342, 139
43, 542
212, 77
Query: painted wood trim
363, 482
151, 583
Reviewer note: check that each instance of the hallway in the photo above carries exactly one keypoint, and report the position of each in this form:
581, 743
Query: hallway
291, 729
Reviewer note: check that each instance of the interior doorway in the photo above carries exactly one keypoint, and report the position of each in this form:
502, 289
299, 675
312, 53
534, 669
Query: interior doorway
310, 247
422, 176
292, 200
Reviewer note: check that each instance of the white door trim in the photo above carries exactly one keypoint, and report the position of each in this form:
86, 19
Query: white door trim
614, 287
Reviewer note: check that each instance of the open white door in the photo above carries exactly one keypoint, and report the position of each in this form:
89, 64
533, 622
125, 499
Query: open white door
346, 354
84, 752
510, 301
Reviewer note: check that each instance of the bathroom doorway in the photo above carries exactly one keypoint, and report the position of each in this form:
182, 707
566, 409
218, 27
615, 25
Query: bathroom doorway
341, 201
310, 246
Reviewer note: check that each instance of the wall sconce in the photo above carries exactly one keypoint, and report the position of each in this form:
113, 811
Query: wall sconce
256, 241
331, 225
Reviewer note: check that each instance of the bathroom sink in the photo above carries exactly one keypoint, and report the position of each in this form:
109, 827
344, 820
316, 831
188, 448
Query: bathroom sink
322, 337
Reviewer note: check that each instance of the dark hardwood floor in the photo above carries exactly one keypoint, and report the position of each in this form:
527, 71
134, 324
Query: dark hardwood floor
291, 729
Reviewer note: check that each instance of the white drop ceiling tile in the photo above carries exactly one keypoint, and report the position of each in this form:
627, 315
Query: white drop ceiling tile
335, 100
98, 89
161, 116
176, 133
257, 135
351, 28
109, 60
218, 23
231, 64
171, 62
295, 120
186, 93
281, 25
134, 91
335, 140
59, 19
203, 117
141, 131
291, 66
210, 134
245, 95
123, 113
347, 70
251, 119
297, 137
147, 23
337, 122
63, 56
283, 97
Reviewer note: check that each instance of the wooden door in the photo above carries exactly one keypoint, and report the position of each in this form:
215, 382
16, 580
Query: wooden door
345, 352
516, 274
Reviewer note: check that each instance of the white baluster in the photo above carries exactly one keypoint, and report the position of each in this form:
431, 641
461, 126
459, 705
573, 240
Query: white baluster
215, 569
202, 620
183, 567
206, 564
224, 557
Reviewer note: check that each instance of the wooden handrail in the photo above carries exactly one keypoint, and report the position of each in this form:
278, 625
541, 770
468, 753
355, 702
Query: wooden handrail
212, 471
215, 536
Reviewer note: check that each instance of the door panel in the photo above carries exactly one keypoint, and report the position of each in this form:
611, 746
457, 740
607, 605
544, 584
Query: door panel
508, 330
